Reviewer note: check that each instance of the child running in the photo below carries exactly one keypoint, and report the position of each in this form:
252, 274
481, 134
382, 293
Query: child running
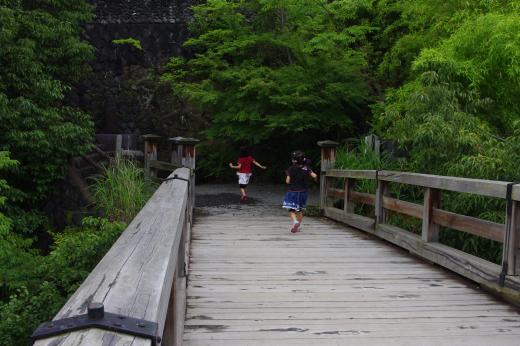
296, 198
245, 171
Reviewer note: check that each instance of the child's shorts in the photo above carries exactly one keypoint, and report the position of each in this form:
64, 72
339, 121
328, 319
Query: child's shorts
243, 178
296, 200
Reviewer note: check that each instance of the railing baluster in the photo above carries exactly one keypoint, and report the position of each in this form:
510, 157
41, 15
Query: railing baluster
328, 160
511, 248
348, 206
380, 212
430, 230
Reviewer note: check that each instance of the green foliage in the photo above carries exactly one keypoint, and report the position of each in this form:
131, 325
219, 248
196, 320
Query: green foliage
266, 69
129, 41
457, 116
213, 158
363, 158
35, 286
41, 57
122, 190
409, 26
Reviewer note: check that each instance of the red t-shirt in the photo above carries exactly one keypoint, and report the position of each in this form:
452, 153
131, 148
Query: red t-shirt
245, 164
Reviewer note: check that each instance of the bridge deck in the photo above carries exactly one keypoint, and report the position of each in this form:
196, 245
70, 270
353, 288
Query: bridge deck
251, 282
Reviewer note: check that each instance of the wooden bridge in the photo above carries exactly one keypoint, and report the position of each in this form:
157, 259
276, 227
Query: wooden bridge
236, 276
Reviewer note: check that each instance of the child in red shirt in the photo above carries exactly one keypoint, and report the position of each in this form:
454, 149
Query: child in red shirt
245, 171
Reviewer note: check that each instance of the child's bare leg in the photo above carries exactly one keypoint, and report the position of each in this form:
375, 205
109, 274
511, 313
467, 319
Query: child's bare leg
295, 219
299, 216
243, 191
293, 216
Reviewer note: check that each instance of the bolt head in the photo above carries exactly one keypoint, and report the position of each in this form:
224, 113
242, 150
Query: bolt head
96, 310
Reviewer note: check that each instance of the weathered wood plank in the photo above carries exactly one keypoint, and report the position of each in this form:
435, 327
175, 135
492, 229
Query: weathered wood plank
430, 229
356, 174
482, 228
135, 277
162, 165
348, 188
363, 198
490, 188
381, 192
258, 284
336, 193
434, 340
403, 207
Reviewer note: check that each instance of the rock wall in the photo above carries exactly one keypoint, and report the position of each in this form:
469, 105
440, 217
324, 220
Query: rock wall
123, 93
141, 11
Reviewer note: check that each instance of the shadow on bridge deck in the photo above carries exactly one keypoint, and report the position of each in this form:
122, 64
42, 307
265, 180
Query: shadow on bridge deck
210, 195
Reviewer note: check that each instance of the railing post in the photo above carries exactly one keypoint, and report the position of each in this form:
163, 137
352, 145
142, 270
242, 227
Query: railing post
348, 207
119, 145
381, 192
183, 154
150, 153
511, 251
430, 230
328, 160
183, 151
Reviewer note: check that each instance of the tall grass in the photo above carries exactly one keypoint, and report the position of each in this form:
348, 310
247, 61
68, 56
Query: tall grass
122, 191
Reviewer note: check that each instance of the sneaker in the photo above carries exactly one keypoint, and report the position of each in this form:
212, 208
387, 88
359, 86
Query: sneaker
243, 199
295, 227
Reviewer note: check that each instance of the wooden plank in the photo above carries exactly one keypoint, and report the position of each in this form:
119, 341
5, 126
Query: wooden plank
135, 277
381, 192
482, 228
252, 283
357, 221
162, 165
363, 198
516, 192
435, 340
356, 174
403, 207
481, 271
430, 230
480, 187
511, 241
336, 193
348, 188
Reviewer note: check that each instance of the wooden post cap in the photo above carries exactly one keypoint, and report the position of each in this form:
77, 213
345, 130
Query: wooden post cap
183, 140
328, 144
150, 137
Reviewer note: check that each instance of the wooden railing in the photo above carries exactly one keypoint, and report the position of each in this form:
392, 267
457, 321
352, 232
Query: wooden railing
181, 154
143, 275
502, 279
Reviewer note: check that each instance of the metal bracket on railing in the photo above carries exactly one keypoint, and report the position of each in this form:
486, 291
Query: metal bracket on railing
98, 318
176, 177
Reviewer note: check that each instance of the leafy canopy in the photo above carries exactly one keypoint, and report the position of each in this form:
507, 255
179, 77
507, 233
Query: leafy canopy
264, 69
41, 57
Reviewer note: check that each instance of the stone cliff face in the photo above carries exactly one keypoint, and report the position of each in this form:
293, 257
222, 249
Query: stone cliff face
122, 93
141, 11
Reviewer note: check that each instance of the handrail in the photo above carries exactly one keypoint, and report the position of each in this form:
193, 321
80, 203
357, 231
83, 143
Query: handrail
483, 272
143, 274
502, 279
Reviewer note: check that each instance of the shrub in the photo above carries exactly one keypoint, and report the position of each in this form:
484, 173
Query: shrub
38, 286
122, 190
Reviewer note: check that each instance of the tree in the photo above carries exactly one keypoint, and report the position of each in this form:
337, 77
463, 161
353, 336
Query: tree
458, 116
268, 69
42, 56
